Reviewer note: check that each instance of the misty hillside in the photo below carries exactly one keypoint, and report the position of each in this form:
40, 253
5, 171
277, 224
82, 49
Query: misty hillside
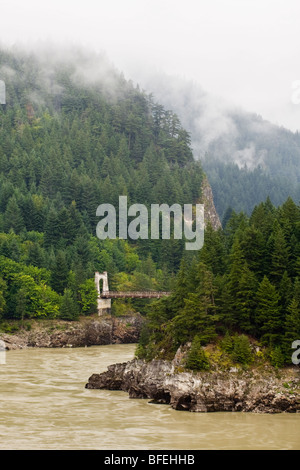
75, 134
246, 158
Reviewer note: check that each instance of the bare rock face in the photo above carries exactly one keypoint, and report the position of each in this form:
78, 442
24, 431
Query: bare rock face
210, 214
201, 392
90, 332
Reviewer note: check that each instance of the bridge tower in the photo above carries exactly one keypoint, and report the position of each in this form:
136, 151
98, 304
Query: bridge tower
103, 305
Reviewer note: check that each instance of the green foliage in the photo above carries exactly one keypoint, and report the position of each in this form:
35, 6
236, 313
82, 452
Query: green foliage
241, 351
119, 309
253, 160
88, 296
227, 343
242, 189
59, 273
73, 147
237, 347
196, 358
27, 298
291, 326
69, 307
268, 312
3, 287
198, 315
80, 144
277, 357
251, 290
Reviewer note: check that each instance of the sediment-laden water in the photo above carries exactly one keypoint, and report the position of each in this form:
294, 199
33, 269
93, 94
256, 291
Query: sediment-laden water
44, 405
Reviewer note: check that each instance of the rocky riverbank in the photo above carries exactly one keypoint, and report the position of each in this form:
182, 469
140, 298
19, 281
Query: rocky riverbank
267, 391
89, 331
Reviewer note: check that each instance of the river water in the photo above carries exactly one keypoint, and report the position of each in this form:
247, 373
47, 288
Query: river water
44, 405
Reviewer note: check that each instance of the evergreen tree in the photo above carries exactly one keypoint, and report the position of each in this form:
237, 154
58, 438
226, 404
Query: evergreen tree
13, 217
59, 273
253, 245
279, 256
196, 358
245, 300
69, 307
285, 291
277, 357
213, 252
51, 228
181, 288
291, 328
241, 351
198, 316
3, 288
238, 268
268, 318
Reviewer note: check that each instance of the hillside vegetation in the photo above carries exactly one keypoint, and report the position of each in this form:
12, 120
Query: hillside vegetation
75, 134
245, 157
240, 292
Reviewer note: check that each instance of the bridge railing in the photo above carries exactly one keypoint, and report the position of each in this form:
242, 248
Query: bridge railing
133, 294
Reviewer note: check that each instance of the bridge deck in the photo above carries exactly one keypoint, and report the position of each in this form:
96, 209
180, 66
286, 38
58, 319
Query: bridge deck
137, 295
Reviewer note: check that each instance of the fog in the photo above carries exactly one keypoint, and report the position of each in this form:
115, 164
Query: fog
205, 60
244, 51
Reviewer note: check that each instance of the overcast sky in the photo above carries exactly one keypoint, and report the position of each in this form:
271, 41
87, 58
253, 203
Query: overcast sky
245, 51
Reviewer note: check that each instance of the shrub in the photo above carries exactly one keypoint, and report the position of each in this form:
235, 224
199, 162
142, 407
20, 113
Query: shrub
197, 359
227, 343
241, 351
277, 357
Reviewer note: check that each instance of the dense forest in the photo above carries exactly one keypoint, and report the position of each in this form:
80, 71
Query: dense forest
242, 288
74, 134
68, 143
245, 157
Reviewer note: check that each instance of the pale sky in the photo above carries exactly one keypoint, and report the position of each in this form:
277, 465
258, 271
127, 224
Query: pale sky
245, 51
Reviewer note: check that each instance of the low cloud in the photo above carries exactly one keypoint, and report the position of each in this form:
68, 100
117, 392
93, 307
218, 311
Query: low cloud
217, 128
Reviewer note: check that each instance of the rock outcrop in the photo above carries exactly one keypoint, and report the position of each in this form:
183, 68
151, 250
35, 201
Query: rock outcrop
203, 392
88, 332
210, 214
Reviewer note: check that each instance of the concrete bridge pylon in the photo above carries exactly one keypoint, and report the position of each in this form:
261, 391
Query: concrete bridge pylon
103, 305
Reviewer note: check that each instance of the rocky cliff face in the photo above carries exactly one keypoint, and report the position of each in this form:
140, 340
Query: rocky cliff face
210, 213
88, 332
203, 392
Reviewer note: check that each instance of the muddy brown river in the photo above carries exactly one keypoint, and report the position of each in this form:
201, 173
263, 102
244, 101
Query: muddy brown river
44, 405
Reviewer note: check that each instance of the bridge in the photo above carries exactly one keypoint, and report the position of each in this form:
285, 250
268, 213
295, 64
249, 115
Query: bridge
105, 295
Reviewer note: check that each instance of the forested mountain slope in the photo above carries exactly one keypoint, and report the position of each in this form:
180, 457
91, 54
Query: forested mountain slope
75, 134
241, 293
245, 157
